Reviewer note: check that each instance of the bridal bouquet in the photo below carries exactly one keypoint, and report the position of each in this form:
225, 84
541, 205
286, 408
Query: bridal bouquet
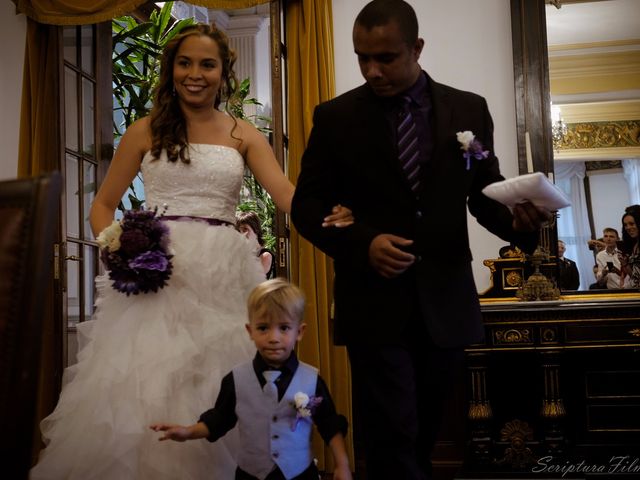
136, 252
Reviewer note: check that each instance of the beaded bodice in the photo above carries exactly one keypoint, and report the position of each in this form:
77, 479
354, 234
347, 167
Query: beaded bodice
208, 186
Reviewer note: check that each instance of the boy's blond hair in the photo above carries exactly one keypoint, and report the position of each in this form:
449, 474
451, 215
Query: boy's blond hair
276, 298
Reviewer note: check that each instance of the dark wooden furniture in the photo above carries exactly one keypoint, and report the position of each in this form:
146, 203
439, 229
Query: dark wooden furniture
28, 222
555, 384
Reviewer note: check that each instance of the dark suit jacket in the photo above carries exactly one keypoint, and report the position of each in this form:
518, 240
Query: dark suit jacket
568, 276
351, 159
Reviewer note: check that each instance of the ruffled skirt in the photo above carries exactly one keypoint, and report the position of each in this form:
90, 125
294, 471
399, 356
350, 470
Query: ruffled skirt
156, 357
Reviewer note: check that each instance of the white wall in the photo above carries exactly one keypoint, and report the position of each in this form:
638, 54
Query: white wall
13, 29
467, 46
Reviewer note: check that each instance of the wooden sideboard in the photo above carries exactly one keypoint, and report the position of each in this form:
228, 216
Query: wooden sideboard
555, 388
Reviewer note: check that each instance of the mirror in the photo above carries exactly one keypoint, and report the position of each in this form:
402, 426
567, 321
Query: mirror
594, 59
585, 57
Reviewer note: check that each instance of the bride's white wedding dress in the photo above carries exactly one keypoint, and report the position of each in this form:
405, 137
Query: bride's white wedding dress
160, 357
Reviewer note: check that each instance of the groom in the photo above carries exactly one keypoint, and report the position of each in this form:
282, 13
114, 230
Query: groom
404, 308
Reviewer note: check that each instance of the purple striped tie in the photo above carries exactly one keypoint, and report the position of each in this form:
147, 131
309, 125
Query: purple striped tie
408, 148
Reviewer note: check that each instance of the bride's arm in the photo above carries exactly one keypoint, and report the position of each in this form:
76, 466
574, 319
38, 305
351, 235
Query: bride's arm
122, 170
264, 166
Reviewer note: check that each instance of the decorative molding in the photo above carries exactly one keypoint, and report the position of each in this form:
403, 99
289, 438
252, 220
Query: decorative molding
512, 335
591, 154
607, 111
513, 278
518, 455
603, 165
549, 335
601, 135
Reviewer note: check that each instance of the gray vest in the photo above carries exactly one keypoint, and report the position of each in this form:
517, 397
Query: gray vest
266, 438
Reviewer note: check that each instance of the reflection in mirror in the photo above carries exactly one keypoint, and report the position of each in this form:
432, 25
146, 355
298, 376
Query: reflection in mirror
594, 78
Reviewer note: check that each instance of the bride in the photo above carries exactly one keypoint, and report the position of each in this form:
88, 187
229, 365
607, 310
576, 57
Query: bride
152, 356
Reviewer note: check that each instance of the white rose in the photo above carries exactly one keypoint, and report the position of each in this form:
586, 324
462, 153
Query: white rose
109, 238
301, 400
305, 412
465, 138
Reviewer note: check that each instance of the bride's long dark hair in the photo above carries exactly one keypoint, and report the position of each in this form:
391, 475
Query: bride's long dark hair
168, 125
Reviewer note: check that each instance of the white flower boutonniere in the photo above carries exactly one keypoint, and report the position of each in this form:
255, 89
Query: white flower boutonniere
472, 148
305, 406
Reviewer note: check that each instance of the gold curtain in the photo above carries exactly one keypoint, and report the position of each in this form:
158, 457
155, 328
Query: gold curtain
39, 146
75, 12
81, 12
309, 28
228, 3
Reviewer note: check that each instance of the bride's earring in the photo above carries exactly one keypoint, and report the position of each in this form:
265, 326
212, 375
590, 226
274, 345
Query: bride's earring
174, 91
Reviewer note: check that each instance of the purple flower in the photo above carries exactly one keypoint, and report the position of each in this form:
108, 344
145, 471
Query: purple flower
134, 241
154, 260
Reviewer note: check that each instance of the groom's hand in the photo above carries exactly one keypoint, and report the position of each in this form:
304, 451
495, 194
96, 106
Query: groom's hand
387, 257
529, 218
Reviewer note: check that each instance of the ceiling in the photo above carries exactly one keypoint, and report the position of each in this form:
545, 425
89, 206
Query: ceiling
595, 21
594, 59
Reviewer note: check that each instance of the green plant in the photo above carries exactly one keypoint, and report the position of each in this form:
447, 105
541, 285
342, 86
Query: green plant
137, 48
253, 197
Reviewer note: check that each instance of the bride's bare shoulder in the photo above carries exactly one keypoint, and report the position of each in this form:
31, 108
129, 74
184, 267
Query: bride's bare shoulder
139, 134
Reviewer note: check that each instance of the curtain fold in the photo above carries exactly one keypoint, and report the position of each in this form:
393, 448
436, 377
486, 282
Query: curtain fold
631, 168
82, 12
39, 146
573, 221
228, 3
309, 30
75, 12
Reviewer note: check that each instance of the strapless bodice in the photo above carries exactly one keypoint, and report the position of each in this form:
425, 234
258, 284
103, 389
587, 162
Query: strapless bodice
208, 186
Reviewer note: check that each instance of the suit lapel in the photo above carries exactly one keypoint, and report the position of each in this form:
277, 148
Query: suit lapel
441, 129
379, 137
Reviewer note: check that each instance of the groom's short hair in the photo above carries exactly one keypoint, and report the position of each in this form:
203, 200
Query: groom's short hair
381, 12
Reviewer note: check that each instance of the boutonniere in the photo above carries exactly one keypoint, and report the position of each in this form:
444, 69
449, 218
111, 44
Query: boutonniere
472, 148
305, 406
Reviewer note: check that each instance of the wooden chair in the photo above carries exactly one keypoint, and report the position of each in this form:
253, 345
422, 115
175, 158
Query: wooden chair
29, 218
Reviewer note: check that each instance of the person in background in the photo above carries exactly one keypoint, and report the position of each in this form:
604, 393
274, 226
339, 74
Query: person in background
568, 276
248, 223
630, 247
596, 246
595, 285
608, 261
275, 433
407, 155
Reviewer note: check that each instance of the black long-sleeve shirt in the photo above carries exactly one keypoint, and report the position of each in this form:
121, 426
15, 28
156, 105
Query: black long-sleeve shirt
222, 417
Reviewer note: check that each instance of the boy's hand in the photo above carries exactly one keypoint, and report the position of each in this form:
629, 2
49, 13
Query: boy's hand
342, 472
179, 433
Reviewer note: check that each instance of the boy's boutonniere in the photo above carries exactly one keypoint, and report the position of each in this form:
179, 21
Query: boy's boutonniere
305, 407
471, 147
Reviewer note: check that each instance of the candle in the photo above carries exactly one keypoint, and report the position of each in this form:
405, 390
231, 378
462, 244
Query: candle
527, 143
